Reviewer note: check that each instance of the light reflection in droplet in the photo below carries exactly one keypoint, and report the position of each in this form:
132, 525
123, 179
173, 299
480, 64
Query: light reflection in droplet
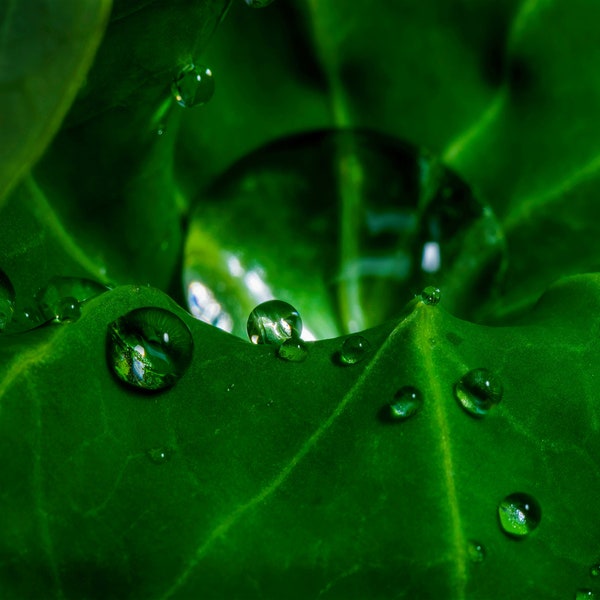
431, 261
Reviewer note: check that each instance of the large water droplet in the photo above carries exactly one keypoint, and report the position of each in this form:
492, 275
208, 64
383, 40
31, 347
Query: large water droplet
519, 514
273, 322
7, 300
61, 298
478, 391
585, 594
193, 86
354, 349
431, 295
258, 3
408, 401
362, 219
476, 551
293, 350
149, 348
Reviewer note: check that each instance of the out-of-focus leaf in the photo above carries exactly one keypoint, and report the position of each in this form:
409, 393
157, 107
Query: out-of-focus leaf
46, 48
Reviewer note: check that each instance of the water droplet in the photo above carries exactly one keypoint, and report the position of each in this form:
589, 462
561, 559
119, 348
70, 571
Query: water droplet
7, 300
159, 456
273, 322
585, 594
431, 295
68, 309
476, 551
149, 348
293, 350
595, 570
519, 514
193, 86
478, 391
408, 401
258, 3
55, 297
354, 349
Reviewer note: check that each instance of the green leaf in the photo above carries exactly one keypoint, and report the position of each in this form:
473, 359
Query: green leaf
46, 49
282, 478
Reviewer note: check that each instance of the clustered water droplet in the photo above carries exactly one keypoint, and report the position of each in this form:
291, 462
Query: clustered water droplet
7, 300
431, 295
354, 349
476, 551
149, 348
274, 322
293, 350
478, 391
408, 401
193, 86
519, 514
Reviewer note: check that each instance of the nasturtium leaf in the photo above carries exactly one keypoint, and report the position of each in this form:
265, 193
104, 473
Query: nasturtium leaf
283, 480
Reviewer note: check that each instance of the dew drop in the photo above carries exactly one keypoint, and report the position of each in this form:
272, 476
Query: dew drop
431, 295
149, 348
193, 86
476, 551
478, 391
61, 298
159, 456
408, 401
273, 322
519, 514
293, 350
257, 3
7, 300
585, 594
595, 570
68, 309
354, 349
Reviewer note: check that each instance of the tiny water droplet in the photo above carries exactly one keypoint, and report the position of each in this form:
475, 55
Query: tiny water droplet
595, 570
585, 594
519, 514
431, 295
193, 86
55, 298
273, 322
7, 300
67, 309
478, 391
354, 349
257, 3
476, 551
408, 401
159, 456
149, 348
293, 350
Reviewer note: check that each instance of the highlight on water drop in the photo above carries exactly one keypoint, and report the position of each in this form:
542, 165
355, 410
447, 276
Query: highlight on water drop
193, 86
519, 515
431, 295
149, 348
159, 455
585, 594
478, 391
7, 300
476, 551
354, 350
273, 322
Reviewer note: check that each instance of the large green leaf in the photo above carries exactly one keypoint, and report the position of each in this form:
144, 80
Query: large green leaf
282, 479
254, 477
